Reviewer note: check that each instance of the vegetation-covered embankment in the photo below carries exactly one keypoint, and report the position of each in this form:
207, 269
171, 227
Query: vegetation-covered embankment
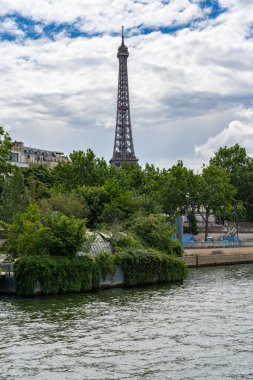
58, 275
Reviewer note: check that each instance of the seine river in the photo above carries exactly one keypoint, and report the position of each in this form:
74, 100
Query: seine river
201, 329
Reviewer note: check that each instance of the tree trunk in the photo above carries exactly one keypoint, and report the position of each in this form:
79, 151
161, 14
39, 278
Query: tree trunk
206, 225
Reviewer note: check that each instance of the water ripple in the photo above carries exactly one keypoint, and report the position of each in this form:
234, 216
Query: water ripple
201, 329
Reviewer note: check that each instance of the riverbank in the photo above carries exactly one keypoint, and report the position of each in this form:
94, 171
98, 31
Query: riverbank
193, 258
43, 275
198, 257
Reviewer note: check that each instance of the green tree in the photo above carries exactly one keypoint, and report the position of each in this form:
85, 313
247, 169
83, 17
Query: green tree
128, 177
175, 190
40, 173
179, 192
5, 152
155, 179
67, 234
120, 208
146, 204
14, 198
239, 167
39, 180
54, 234
95, 197
215, 192
193, 223
82, 169
68, 204
27, 235
37, 189
154, 231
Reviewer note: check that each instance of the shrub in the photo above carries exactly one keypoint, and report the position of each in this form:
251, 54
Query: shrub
78, 274
26, 235
176, 247
128, 240
153, 231
67, 204
67, 234
147, 266
56, 234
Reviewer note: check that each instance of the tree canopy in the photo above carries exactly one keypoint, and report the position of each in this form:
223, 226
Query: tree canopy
143, 201
215, 192
239, 167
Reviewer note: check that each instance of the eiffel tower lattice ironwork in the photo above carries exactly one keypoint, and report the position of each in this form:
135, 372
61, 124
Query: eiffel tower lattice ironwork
123, 143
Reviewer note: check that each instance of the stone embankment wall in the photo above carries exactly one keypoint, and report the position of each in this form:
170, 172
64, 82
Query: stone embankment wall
225, 256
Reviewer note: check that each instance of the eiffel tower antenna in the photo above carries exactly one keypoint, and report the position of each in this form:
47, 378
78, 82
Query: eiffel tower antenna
123, 150
122, 35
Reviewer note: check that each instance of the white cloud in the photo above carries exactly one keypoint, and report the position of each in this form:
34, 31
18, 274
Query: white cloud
238, 131
11, 27
184, 88
105, 15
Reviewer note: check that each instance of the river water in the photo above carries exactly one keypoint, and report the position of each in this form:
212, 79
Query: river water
201, 329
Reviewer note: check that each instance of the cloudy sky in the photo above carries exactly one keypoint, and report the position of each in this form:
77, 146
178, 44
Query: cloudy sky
190, 75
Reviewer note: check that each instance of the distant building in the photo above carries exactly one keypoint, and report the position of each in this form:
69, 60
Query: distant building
25, 156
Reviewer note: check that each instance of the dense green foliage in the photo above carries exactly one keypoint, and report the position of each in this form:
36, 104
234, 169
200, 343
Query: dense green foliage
82, 169
45, 213
154, 231
55, 274
215, 192
58, 275
26, 235
95, 198
38, 180
239, 167
104, 263
149, 266
15, 197
68, 204
141, 202
51, 234
66, 236
87, 187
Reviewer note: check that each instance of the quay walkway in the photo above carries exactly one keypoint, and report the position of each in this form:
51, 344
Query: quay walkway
218, 255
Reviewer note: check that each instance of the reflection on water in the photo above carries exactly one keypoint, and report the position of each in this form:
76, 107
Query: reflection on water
201, 329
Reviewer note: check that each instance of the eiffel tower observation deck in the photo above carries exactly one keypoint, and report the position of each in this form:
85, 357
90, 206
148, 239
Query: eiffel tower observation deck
123, 143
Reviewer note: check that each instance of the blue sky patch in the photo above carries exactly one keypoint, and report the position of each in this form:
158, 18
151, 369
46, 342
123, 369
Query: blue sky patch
27, 28
213, 6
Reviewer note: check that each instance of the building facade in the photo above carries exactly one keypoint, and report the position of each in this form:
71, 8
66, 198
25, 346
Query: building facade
24, 156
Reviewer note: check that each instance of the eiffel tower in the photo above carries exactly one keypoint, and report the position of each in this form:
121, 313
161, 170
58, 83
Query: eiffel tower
123, 143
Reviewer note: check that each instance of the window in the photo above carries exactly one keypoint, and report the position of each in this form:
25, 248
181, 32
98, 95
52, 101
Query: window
14, 157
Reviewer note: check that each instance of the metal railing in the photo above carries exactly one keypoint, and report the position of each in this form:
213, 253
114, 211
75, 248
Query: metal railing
217, 244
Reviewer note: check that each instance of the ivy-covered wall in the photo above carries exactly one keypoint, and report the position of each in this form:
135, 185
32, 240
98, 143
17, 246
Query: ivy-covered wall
56, 274
63, 275
150, 266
